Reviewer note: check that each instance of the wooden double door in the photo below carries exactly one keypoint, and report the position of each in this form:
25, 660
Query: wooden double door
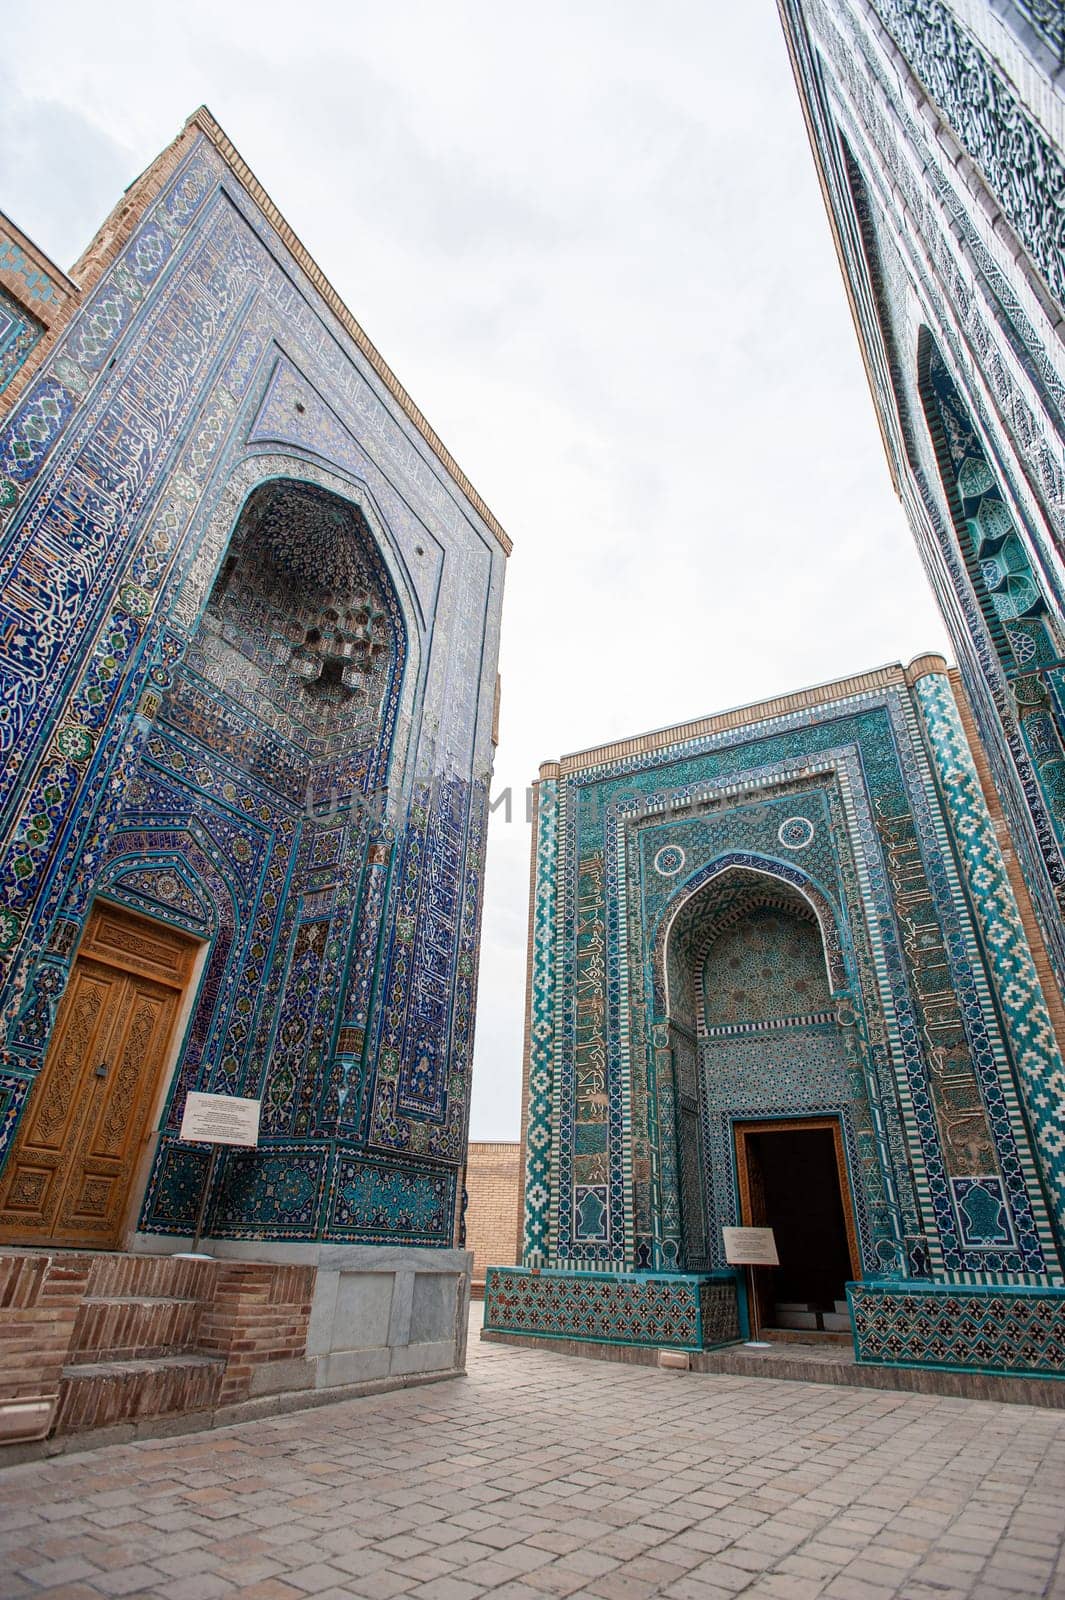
68, 1178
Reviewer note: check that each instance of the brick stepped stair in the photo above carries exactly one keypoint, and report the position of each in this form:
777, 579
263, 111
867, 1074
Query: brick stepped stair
134, 1351
101, 1394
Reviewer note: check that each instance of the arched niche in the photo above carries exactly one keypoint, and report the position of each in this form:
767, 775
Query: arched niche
302, 640
753, 985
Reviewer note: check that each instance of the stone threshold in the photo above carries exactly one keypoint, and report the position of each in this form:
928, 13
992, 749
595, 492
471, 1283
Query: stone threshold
165, 1427
809, 1364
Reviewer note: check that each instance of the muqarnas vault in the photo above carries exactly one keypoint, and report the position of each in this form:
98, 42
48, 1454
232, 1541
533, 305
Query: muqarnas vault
778, 975
250, 610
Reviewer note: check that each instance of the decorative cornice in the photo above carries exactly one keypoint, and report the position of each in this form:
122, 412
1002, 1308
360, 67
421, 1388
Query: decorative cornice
924, 666
822, 694
202, 120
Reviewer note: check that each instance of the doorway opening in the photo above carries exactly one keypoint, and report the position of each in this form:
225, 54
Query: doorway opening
69, 1177
793, 1179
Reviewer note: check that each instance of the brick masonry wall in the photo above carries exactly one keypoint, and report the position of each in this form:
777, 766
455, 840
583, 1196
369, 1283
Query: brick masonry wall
493, 1216
39, 1301
258, 1314
78, 1311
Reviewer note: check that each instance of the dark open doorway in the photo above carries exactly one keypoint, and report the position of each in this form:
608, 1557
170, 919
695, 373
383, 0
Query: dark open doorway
793, 1179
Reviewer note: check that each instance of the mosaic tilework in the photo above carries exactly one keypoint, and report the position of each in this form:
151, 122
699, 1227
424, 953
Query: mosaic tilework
1039, 1063
898, 789
681, 1312
997, 1329
766, 967
992, 122
939, 288
768, 921
250, 689
33, 282
19, 332
541, 1032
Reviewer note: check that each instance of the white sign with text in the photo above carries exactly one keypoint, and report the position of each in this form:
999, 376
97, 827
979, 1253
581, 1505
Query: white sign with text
750, 1247
220, 1119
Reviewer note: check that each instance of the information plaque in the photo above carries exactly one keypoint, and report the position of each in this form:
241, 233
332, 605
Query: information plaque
750, 1247
220, 1119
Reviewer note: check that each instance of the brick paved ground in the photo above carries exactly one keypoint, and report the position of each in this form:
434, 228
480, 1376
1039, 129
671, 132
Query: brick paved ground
540, 1476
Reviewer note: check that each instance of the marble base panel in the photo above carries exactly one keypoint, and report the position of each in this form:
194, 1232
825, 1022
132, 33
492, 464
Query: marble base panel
376, 1312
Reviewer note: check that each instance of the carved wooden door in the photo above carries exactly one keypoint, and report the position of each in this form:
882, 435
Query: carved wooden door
68, 1178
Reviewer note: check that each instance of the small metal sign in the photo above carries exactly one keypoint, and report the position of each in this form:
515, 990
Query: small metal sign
750, 1247
220, 1119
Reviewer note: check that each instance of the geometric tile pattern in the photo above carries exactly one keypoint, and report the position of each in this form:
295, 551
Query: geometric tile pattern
997, 1329
684, 1311
878, 873
969, 380
19, 332
35, 284
541, 1032
1040, 1068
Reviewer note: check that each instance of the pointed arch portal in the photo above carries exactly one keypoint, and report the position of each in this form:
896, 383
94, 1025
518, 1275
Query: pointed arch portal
750, 964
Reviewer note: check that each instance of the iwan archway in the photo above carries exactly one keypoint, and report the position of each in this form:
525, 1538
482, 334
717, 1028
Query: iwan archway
767, 1111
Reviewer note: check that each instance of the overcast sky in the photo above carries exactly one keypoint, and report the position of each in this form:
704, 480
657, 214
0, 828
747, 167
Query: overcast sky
589, 241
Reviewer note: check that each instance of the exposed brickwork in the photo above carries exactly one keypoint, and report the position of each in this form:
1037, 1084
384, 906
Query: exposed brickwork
116, 1275
113, 1392
39, 1301
117, 1330
493, 1216
257, 1314
126, 1337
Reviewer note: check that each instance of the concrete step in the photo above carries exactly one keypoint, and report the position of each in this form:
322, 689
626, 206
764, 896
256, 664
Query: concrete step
131, 1327
842, 1308
101, 1394
795, 1305
836, 1322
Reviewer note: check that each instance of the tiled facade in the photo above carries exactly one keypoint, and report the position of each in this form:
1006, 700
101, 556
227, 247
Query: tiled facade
938, 128
681, 1311
794, 911
251, 613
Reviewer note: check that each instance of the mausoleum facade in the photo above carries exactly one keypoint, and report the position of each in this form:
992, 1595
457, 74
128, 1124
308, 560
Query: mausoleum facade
250, 609
778, 977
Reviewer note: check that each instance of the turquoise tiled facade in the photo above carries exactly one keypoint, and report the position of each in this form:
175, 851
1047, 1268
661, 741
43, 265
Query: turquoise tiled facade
251, 609
792, 914
681, 1311
938, 135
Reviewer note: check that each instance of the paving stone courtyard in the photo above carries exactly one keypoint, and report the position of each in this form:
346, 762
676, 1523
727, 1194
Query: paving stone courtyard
543, 1476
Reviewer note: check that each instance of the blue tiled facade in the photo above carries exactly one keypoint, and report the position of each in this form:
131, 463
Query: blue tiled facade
794, 913
251, 613
938, 133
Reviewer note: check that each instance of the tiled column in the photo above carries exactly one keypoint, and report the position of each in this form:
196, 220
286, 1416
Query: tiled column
540, 1055
1024, 1012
